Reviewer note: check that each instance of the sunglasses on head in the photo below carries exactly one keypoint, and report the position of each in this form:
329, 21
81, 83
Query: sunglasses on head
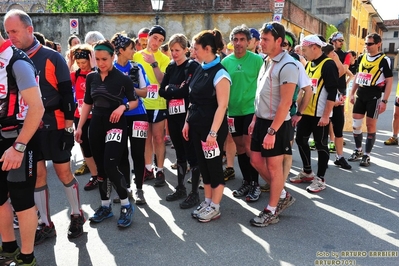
369, 43
271, 28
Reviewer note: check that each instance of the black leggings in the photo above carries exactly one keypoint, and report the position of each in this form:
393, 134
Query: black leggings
137, 148
108, 141
306, 126
338, 121
211, 169
85, 145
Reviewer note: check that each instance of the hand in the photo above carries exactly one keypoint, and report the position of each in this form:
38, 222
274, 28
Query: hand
352, 99
324, 121
295, 119
11, 159
149, 58
116, 114
78, 135
93, 62
382, 107
268, 142
185, 131
210, 141
67, 141
251, 128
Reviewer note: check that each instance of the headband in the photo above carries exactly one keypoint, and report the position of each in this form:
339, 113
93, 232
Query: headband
289, 39
120, 42
82, 54
103, 47
143, 35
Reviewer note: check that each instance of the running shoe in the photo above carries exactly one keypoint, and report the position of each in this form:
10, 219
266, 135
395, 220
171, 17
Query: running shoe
125, 219
209, 214
201, 183
199, 209
101, 214
8, 255
391, 141
174, 166
356, 155
331, 147
191, 201
365, 161
140, 200
265, 187
44, 232
312, 145
284, 203
302, 177
180, 193
148, 175
229, 174
20, 262
159, 179
83, 169
253, 193
343, 163
317, 185
15, 221
264, 218
76, 226
243, 190
92, 184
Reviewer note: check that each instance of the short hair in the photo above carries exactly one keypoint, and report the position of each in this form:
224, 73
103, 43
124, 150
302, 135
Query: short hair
70, 39
94, 36
179, 38
241, 29
40, 37
51, 44
275, 28
353, 53
375, 37
25, 18
213, 38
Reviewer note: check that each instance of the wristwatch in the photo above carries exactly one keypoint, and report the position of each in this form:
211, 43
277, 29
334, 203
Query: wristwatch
384, 101
271, 131
127, 106
154, 65
19, 147
69, 130
298, 113
213, 134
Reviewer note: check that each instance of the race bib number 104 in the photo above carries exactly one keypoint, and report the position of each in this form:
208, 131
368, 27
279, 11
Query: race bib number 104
140, 129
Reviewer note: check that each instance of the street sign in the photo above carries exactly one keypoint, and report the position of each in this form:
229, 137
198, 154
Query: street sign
278, 4
278, 10
277, 17
74, 26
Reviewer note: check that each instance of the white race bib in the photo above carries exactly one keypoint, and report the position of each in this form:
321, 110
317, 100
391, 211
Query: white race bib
210, 152
177, 106
152, 91
230, 123
364, 79
140, 129
114, 134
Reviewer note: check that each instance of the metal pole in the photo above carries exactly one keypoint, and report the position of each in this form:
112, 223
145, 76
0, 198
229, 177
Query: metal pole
156, 18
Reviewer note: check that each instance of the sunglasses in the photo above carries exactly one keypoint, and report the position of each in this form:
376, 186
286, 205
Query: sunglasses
271, 28
340, 40
284, 44
369, 43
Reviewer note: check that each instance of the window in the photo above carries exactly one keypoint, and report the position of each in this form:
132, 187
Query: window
396, 34
391, 47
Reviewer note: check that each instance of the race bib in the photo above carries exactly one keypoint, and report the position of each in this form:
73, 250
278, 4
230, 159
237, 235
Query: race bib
152, 91
230, 123
210, 152
140, 129
315, 83
80, 104
177, 106
364, 79
114, 134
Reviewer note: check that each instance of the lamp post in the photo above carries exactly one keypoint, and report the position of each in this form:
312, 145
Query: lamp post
157, 6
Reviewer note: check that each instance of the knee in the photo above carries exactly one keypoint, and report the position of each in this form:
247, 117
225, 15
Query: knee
357, 126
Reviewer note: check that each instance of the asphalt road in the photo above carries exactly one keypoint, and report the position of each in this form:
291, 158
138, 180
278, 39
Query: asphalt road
356, 215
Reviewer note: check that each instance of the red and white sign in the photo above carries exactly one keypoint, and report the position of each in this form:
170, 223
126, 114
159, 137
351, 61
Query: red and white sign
277, 17
74, 26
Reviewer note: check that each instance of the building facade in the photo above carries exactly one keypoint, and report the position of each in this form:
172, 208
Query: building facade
390, 41
29, 6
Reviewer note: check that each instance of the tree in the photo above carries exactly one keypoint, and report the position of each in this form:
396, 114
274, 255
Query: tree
73, 6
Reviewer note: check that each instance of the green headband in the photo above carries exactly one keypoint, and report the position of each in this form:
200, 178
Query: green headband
103, 47
289, 39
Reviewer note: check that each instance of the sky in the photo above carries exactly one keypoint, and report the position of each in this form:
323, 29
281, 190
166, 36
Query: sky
387, 9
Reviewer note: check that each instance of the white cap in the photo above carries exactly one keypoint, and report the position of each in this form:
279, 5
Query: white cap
312, 39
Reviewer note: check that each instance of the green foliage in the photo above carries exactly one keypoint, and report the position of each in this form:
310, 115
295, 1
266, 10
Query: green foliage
73, 6
330, 30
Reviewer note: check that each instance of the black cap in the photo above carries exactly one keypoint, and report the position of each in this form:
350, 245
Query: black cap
157, 29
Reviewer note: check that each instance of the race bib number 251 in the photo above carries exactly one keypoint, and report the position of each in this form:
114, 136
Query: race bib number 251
210, 152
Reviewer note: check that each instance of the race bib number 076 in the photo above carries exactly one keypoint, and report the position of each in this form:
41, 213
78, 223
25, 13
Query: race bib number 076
114, 134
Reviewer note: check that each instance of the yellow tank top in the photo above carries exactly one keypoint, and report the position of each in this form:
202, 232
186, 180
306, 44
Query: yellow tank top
369, 72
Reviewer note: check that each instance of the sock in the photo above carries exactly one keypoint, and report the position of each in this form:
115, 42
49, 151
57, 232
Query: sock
358, 141
339, 156
41, 200
125, 202
105, 203
370, 140
307, 170
159, 169
244, 163
208, 201
72, 193
148, 167
395, 136
26, 258
215, 206
283, 194
272, 209
321, 177
10, 247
